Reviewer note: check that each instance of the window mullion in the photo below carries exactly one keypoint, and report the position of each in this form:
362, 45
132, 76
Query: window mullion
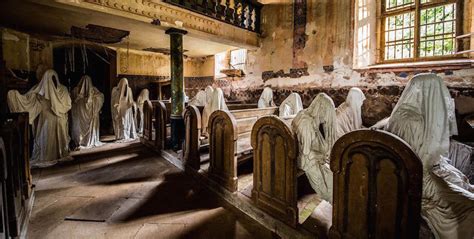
416, 40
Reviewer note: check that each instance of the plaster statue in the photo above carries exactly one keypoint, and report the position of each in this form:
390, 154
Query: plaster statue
424, 117
266, 99
349, 113
217, 102
123, 111
88, 102
47, 103
291, 105
315, 128
142, 98
202, 97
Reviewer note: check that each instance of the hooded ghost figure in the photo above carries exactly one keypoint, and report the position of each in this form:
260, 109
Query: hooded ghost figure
291, 105
202, 97
85, 111
142, 98
349, 113
217, 102
424, 118
315, 128
122, 111
266, 99
47, 104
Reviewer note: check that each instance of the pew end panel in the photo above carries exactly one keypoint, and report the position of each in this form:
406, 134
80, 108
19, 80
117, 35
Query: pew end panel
192, 142
161, 118
275, 169
147, 137
223, 162
377, 187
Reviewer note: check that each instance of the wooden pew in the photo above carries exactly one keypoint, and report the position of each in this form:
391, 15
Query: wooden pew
155, 126
376, 188
3, 191
275, 169
229, 140
15, 133
193, 143
148, 129
368, 167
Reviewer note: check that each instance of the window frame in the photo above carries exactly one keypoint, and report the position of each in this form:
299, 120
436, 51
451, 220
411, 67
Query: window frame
417, 8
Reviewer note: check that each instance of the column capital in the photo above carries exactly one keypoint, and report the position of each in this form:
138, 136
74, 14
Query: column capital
172, 31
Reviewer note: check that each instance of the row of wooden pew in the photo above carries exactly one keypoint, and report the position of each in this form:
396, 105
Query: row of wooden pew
15, 177
377, 177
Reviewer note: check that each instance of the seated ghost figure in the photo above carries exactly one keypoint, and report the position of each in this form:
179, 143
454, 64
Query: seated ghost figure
142, 98
349, 113
291, 105
48, 104
217, 102
202, 97
123, 111
315, 128
424, 118
87, 103
266, 99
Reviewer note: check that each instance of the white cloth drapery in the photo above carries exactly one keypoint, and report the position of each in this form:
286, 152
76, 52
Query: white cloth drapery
142, 98
123, 111
315, 128
291, 105
87, 103
266, 99
202, 97
47, 104
424, 118
349, 113
216, 103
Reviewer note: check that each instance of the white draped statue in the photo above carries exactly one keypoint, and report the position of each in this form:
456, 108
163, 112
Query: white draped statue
48, 104
315, 128
123, 111
349, 113
142, 98
291, 105
424, 118
266, 99
87, 103
202, 97
217, 102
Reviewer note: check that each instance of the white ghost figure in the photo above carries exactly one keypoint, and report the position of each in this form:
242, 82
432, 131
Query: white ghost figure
142, 98
202, 97
291, 105
48, 104
266, 99
315, 128
217, 102
424, 117
87, 103
349, 113
123, 111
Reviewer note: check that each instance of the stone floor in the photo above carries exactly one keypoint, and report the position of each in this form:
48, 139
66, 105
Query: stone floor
126, 191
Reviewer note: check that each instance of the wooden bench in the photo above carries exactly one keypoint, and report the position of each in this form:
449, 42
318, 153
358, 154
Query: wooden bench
369, 166
156, 125
229, 140
193, 140
15, 133
376, 188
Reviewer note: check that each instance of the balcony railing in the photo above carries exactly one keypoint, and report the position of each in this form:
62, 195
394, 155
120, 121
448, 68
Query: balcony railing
240, 13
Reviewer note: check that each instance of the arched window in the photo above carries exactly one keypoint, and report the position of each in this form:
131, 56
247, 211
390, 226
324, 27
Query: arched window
419, 29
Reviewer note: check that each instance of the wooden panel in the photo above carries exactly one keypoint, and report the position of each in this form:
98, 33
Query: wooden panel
147, 122
192, 121
377, 187
241, 106
258, 112
275, 169
161, 120
222, 139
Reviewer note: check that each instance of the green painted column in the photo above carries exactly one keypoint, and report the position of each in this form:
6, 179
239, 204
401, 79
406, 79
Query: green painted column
177, 87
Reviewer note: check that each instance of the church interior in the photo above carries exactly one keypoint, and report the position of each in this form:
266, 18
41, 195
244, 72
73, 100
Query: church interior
237, 119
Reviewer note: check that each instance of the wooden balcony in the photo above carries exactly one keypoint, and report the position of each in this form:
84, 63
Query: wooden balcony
240, 13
